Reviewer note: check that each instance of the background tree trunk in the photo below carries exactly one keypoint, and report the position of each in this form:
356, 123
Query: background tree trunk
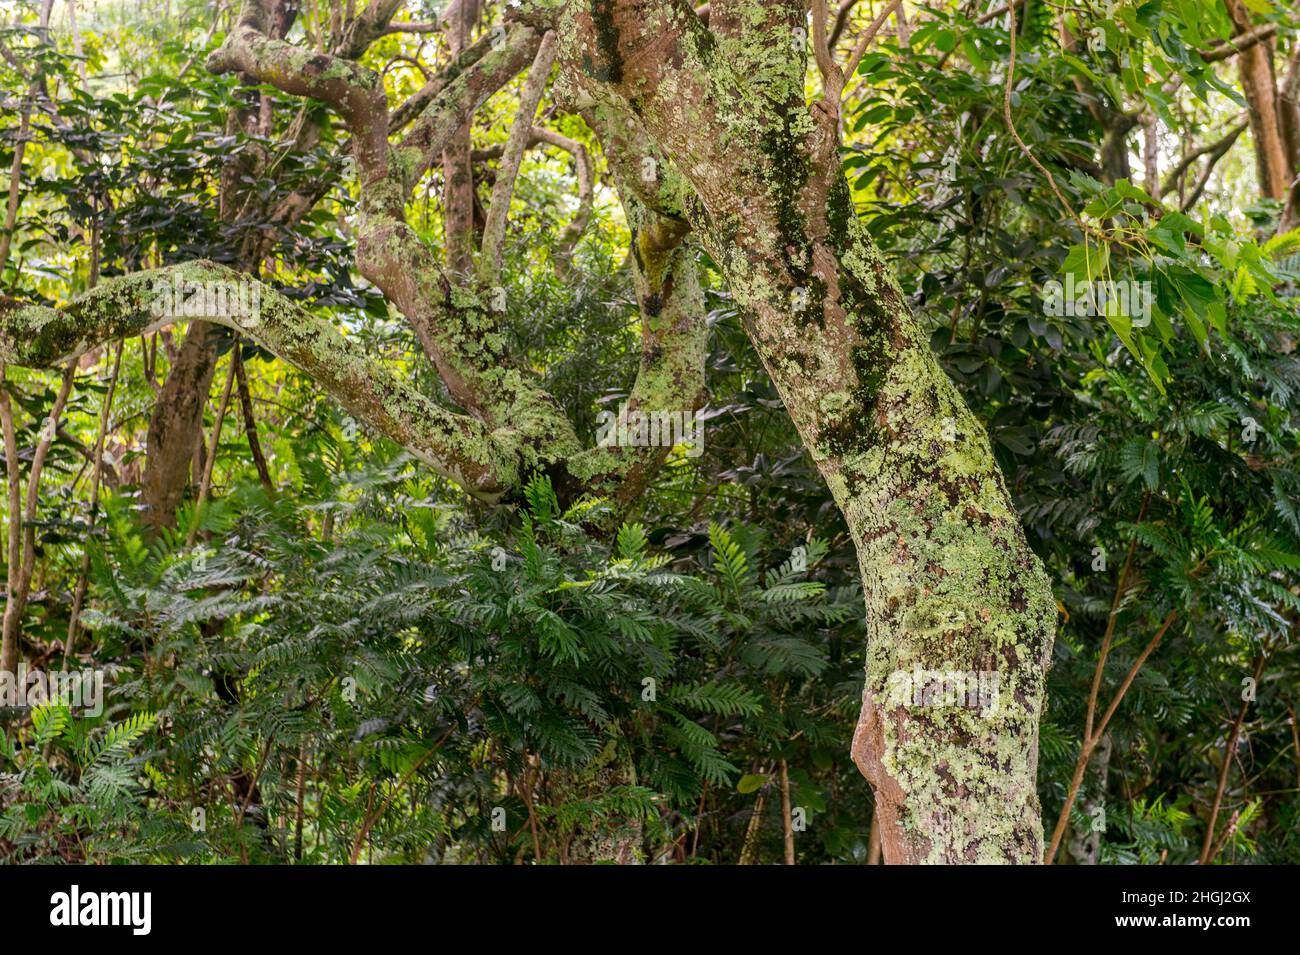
176, 425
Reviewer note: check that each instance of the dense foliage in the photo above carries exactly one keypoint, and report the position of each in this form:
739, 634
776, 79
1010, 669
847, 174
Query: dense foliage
339, 658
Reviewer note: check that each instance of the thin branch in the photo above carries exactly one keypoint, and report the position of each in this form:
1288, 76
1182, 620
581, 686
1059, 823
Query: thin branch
490, 251
83, 573
9, 645
111, 477
213, 445
997, 12
49, 431
373, 817
902, 29
851, 67
822, 47
20, 146
841, 21
1090, 742
787, 823
562, 253
462, 93
1216, 148
1011, 126
1111, 618
1132, 673
415, 104
413, 28
250, 425
1209, 849
299, 798
1238, 44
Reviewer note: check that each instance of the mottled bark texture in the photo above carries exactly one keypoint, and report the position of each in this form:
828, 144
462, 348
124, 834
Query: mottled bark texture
457, 170
175, 425
950, 583
711, 141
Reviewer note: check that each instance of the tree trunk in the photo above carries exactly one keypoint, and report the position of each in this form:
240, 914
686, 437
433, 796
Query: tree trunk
726, 145
951, 585
457, 169
176, 425
1255, 67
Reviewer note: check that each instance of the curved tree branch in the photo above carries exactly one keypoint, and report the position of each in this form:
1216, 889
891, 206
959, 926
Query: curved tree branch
454, 325
1238, 44
562, 254
485, 462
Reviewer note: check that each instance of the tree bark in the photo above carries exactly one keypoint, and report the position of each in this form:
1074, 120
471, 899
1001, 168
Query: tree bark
176, 424
739, 158
1255, 67
457, 171
950, 582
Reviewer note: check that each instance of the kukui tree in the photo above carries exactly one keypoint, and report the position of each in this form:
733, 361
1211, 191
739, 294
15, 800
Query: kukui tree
722, 132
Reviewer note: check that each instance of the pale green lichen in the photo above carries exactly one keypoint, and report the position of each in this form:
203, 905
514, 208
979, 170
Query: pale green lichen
949, 579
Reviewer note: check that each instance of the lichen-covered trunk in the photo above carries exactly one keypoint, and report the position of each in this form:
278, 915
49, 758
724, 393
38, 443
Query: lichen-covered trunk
960, 612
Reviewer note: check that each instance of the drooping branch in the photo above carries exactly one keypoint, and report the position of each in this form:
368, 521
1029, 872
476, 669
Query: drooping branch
485, 462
